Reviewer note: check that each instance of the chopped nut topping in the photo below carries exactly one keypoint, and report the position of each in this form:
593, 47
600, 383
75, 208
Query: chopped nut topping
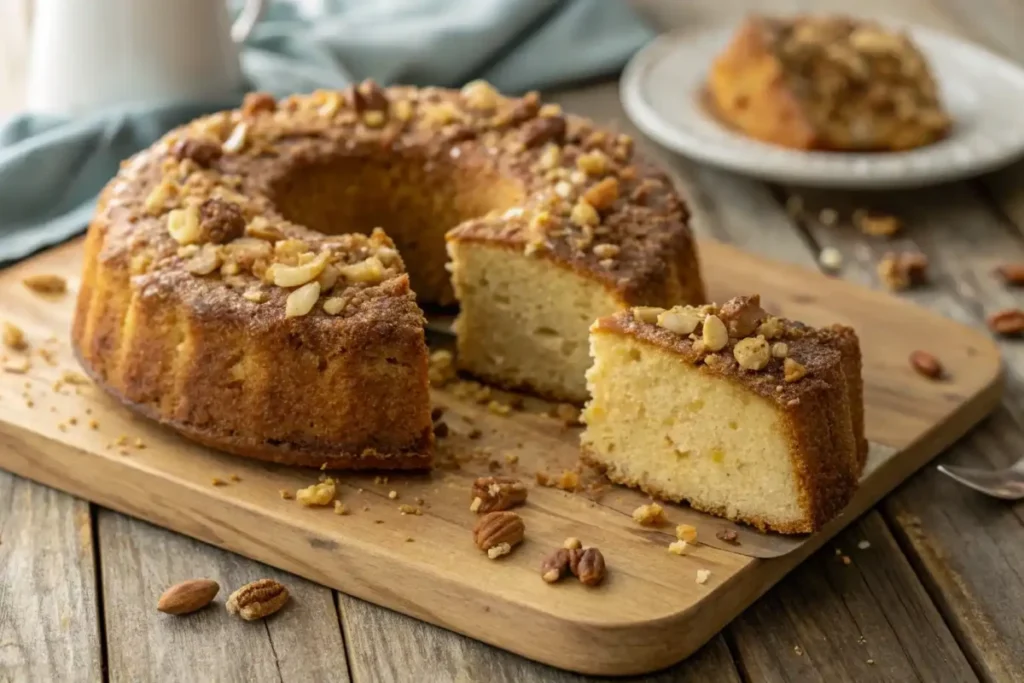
780, 350
301, 301
593, 163
498, 493
926, 364
481, 95
220, 221
183, 225
296, 276
236, 141
647, 314
604, 251
649, 515
257, 103
715, 336
584, 214
370, 271
13, 337
681, 320
335, 305
45, 283
543, 130
602, 196
202, 152
205, 261
317, 495
742, 315
772, 328
793, 371
752, 353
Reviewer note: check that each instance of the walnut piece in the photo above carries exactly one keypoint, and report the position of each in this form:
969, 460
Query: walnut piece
498, 493
496, 528
220, 221
540, 131
258, 599
201, 151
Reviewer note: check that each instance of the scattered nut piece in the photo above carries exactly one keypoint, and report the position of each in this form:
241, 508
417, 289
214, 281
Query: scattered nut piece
647, 314
498, 528
702, 576
686, 532
258, 599
286, 494
742, 315
793, 371
1012, 273
780, 350
46, 284
831, 259
677, 547
588, 565
680, 320
1008, 322
217, 481
301, 301
727, 535
188, 596
572, 543
498, 493
899, 271
926, 364
649, 515
602, 195
877, 224
317, 495
13, 337
555, 566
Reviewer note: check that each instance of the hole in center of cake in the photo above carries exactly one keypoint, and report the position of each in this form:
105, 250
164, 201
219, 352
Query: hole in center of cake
414, 197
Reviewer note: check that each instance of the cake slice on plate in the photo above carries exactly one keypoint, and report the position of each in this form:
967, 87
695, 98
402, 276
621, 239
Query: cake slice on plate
741, 414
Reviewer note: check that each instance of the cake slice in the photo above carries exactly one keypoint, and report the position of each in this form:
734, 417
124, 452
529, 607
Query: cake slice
827, 83
741, 414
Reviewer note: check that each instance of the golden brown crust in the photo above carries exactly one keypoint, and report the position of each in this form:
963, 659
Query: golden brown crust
220, 293
822, 410
827, 82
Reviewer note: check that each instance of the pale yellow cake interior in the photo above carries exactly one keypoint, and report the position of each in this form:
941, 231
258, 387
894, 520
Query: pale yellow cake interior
524, 320
659, 422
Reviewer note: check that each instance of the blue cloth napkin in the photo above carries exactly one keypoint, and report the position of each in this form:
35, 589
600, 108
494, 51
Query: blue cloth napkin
51, 169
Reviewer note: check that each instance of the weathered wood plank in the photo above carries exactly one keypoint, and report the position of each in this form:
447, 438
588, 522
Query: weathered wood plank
139, 561
388, 646
49, 623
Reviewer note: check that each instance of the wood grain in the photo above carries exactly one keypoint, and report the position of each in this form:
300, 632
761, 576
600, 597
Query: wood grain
632, 628
49, 624
300, 643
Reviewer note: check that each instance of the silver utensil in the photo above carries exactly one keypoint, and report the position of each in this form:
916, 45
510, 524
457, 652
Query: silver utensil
1007, 484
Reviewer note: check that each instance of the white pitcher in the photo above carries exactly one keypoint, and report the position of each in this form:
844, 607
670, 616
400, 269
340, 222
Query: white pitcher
91, 54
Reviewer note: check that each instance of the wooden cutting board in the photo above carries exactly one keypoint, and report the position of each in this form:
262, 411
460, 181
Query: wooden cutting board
648, 614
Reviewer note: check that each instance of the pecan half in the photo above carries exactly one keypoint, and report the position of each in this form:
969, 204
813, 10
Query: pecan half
497, 528
1008, 322
727, 535
220, 221
903, 270
498, 493
258, 599
543, 130
926, 364
555, 566
202, 152
1012, 273
587, 565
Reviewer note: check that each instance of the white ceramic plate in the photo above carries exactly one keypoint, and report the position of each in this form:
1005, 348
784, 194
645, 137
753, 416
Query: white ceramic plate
983, 93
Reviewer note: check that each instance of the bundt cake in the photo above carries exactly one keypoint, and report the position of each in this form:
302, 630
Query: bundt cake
743, 415
830, 83
236, 286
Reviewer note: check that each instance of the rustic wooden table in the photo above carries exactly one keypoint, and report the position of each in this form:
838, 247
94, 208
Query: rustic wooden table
934, 591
